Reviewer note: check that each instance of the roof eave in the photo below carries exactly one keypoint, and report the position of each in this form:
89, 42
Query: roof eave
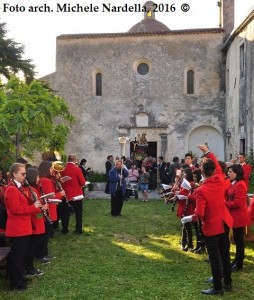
237, 30
128, 34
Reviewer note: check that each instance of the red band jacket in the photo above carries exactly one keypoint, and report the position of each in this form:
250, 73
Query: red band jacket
73, 187
236, 202
210, 206
19, 221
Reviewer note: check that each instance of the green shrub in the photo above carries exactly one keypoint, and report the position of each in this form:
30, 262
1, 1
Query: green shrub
250, 160
97, 177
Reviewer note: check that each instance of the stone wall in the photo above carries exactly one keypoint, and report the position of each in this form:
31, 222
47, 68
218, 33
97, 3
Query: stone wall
240, 89
161, 94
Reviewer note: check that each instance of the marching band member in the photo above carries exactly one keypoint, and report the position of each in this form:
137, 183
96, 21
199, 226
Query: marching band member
3, 216
200, 244
236, 202
186, 207
73, 188
188, 158
38, 226
19, 225
251, 209
216, 221
45, 186
247, 169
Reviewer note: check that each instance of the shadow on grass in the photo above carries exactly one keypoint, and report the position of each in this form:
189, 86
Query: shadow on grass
136, 256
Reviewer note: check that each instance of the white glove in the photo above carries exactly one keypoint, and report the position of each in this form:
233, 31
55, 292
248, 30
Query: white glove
186, 219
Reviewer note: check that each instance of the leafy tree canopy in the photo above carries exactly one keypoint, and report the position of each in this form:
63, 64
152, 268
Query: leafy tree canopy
32, 118
11, 61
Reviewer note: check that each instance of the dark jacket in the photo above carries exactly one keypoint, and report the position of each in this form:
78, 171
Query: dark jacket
108, 166
114, 179
172, 170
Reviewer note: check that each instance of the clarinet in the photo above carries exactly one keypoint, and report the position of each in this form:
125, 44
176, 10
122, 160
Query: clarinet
44, 199
35, 199
174, 189
186, 207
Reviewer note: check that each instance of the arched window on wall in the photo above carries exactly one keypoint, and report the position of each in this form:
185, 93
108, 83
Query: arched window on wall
98, 80
190, 82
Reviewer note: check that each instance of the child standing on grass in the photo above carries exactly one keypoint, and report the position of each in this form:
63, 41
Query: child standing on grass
143, 183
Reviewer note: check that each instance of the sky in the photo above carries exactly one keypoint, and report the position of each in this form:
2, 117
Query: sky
37, 30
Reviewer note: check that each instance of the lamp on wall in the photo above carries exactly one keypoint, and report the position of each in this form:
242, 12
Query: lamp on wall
228, 135
123, 140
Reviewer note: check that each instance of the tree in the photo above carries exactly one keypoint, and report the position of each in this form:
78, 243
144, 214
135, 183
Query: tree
32, 118
11, 61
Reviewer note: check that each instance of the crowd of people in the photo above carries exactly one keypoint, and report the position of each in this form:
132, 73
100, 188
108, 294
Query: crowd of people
210, 198
213, 204
35, 199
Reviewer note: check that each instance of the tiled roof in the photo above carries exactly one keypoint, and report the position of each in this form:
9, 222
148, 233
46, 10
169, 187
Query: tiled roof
132, 34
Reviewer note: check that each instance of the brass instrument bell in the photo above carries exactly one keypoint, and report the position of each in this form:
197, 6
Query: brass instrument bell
58, 166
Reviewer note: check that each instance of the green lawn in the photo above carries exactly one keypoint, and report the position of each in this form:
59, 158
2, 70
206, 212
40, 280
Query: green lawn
136, 256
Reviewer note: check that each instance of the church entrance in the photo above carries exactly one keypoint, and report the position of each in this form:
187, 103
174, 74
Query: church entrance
139, 152
152, 149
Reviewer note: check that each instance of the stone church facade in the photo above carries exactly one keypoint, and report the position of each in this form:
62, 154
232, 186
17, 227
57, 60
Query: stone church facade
239, 49
169, 84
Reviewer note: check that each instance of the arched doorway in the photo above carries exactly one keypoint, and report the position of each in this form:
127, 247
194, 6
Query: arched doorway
209, 135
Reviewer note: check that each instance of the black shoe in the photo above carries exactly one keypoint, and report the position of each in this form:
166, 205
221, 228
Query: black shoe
19, 287
78, 232
50, 257
34, 272
44, 261
235, 268
227, 287
212, 292
27, 280
65, 231
232, 263
185, 248
210, 280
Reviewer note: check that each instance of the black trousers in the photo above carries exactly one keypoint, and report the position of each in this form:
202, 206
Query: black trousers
65, 215
42, 251
107, 185
36, 243
187, 235
218, 246
78, 209
59, 215
238, 234
199, 235
116, 203
16, 259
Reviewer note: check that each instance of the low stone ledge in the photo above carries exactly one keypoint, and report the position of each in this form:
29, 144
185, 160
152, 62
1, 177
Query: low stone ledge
99, 186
